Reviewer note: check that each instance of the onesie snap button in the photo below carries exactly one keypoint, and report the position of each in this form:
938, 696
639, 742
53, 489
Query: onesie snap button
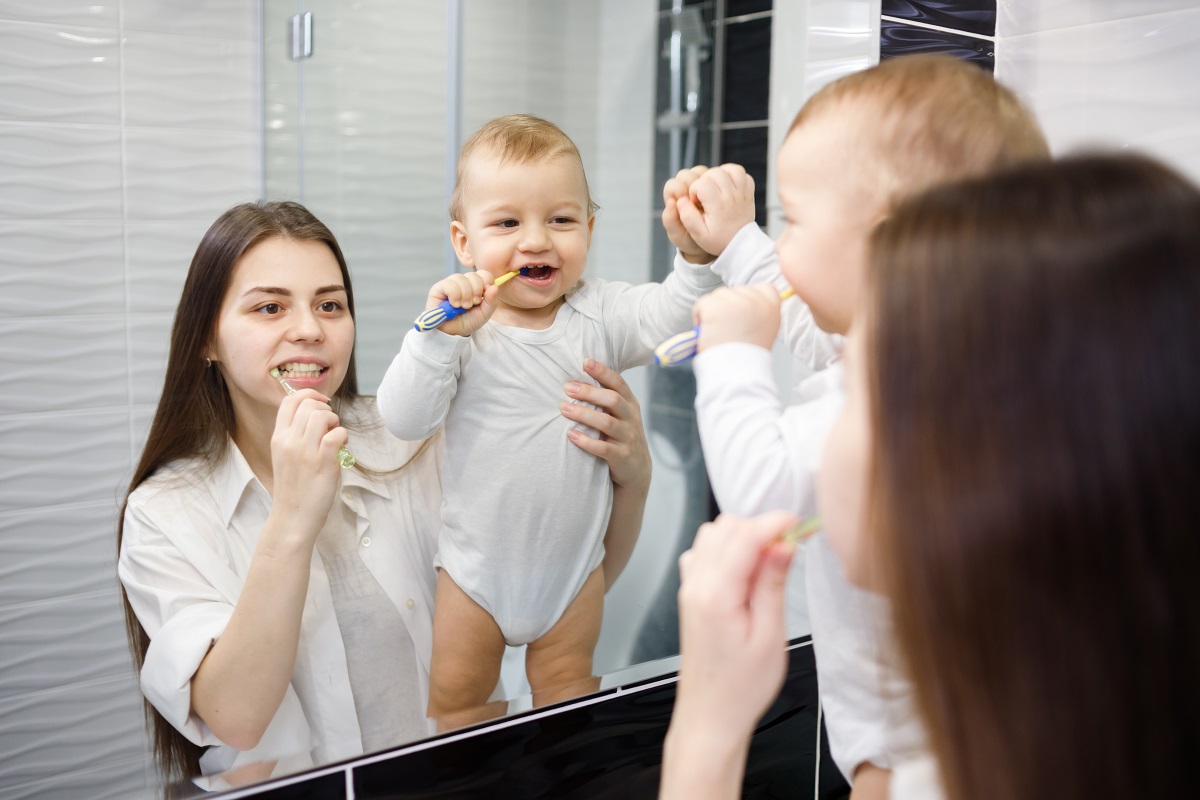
366, 541
410, 603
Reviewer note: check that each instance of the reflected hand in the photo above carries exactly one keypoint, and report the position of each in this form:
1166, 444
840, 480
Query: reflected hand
675, 190
618, 418
305, 470
719, 203
471, 290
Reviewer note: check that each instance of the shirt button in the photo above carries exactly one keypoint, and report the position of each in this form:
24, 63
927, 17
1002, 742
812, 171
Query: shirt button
410, 603
366, 541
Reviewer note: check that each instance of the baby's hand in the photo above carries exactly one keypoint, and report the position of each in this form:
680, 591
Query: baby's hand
674, 190
472, 290
719, 203
738, 314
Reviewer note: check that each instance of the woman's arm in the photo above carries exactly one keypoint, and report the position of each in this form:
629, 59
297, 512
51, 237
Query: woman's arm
241, 682
732, 664
623, 445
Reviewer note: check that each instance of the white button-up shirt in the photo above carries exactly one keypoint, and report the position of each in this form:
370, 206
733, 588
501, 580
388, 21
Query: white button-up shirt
190, 533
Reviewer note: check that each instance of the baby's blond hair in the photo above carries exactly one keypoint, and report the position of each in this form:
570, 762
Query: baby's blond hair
923, 120
519, 138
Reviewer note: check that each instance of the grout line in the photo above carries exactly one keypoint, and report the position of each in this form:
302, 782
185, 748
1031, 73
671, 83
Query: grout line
927, 26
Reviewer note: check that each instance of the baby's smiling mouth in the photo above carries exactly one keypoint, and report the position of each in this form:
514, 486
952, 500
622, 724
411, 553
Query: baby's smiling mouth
538, 272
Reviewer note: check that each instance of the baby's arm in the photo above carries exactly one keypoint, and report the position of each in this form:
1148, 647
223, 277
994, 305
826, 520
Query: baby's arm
417, 388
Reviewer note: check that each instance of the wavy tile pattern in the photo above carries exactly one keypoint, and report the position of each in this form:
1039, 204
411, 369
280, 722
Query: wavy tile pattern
1118, 83
124, 129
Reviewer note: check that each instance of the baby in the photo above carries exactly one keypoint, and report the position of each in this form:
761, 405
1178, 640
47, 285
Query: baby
525, 512
857, 148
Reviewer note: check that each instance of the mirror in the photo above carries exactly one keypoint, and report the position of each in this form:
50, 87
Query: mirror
128, 127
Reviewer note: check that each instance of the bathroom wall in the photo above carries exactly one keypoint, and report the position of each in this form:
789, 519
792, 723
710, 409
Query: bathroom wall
125, 127
1112, 74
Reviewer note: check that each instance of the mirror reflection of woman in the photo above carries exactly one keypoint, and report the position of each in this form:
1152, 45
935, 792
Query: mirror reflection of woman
279, 606
1016, 468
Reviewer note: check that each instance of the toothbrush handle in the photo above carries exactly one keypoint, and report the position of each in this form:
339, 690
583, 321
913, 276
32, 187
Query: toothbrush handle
434, 317
677, 350
344, 457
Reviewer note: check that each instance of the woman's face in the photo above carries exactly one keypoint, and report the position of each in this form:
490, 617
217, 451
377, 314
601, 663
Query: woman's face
842, 480
286, 308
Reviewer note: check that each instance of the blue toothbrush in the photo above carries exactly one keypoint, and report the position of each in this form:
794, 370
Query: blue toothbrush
435, 317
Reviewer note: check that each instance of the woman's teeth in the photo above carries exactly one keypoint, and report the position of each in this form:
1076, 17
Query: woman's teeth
295, 370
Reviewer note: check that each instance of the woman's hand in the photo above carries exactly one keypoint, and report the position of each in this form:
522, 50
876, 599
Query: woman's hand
732, 637
304, 464
618, 417
623, 445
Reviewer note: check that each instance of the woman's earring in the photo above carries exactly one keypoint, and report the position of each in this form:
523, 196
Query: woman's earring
207, 362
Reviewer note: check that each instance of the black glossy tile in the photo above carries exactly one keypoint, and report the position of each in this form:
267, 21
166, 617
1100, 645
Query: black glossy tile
747, 71
897, 39
748, 147
973, 16
736, 8
325, 787
611, 749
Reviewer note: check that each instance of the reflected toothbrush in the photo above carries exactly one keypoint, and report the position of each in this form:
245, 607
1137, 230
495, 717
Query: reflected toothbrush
681, 347
801, 530
443, 311
344, 457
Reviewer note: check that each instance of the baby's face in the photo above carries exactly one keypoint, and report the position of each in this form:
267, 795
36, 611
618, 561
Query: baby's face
531, 215
829, 215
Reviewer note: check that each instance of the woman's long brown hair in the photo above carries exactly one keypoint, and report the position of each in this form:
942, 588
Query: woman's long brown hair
1034, 370
194, 418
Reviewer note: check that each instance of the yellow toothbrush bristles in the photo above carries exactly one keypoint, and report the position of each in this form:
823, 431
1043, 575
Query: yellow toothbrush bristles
344, 457
801, 530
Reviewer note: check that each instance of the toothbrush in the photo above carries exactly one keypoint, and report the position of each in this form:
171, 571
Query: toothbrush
344, 457
444, 311
681, 347
801, 530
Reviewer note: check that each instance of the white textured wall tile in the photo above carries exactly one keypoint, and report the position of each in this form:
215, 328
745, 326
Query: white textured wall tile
149, 341
63, 642
55, 172
87, 727
159, 254
1017, 17
1112, 84
62, 363
63, 12
184, 174
72, 268
622, 171
140, 418
224, 19
190, 81
59, 73
116, 781
53, 459
44, 550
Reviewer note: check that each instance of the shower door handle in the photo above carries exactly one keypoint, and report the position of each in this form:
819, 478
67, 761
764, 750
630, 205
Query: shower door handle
300, 36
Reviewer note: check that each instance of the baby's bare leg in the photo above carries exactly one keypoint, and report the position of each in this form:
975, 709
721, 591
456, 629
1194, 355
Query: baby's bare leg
559, 664
467, 649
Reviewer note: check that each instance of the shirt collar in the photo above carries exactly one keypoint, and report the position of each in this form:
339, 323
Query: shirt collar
233, 475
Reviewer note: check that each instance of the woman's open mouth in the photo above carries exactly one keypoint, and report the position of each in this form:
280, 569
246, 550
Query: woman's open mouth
295, 370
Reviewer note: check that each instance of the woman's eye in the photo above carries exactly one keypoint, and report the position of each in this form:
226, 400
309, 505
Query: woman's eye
270, 308
330, 306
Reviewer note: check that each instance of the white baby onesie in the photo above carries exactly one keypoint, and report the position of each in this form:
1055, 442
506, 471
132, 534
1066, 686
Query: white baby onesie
525, 510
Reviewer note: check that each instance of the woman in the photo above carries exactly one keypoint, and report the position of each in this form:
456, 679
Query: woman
279, 606
1015, 469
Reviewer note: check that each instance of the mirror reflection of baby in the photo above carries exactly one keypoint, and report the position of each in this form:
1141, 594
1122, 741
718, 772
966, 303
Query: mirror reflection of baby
525, 512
